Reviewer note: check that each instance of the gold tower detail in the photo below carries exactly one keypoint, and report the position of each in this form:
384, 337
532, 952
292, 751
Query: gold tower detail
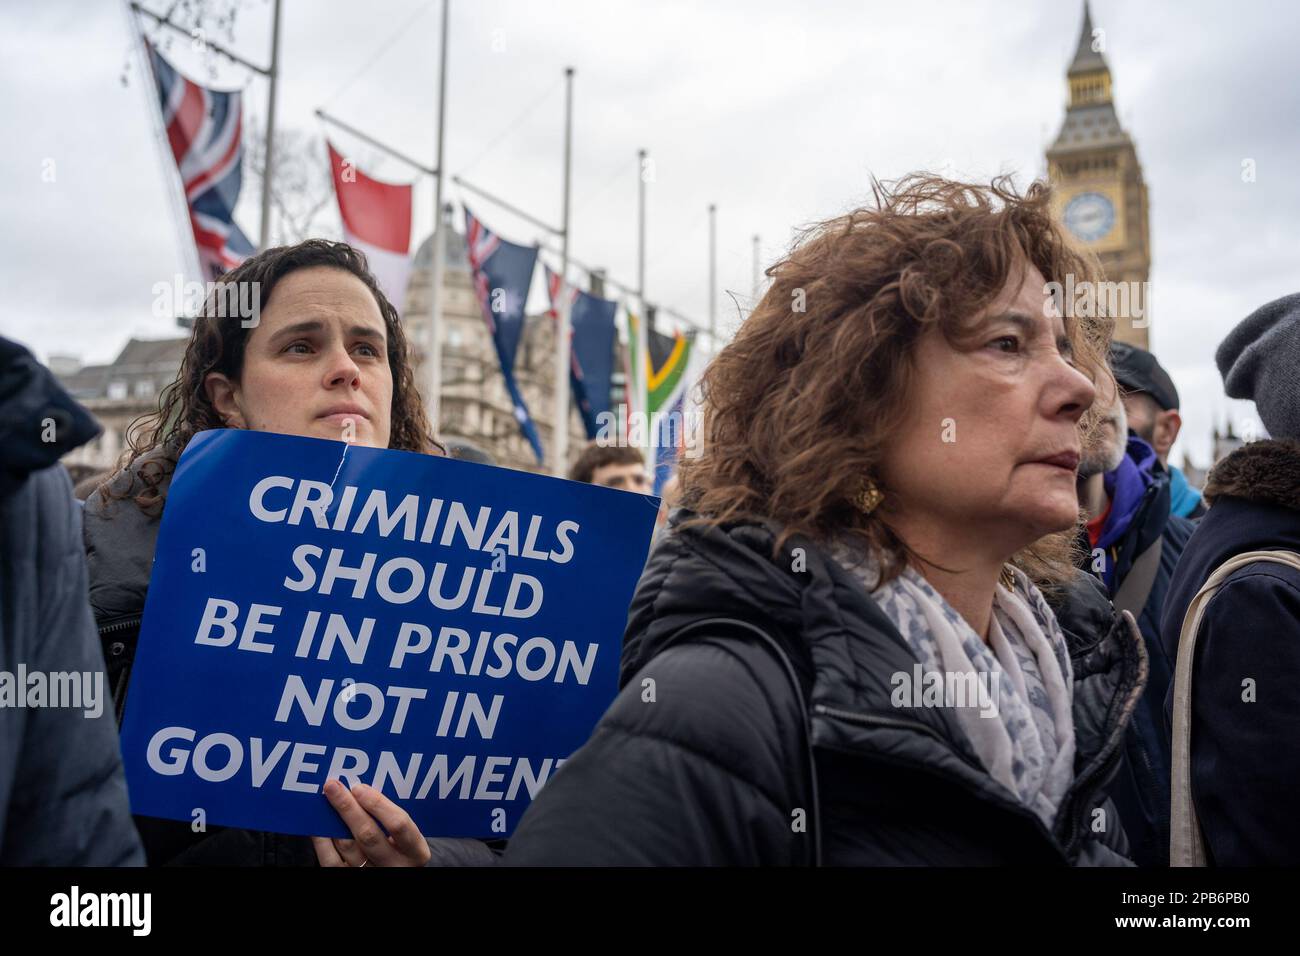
1100, 195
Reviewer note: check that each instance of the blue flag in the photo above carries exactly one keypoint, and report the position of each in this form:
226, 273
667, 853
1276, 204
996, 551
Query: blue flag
591, 355
446, 632
502, 273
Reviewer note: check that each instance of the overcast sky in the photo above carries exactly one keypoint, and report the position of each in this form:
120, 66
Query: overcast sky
778, 112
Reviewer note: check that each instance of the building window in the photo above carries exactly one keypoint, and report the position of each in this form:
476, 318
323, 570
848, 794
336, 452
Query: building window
143, 388
117, 390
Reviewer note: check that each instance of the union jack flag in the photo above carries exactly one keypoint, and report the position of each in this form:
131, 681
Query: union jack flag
203, 130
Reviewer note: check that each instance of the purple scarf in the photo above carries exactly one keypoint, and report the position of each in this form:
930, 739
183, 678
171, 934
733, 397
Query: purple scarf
1126, 486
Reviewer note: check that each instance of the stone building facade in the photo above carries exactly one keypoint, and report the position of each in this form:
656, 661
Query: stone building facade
117, 394
476, 407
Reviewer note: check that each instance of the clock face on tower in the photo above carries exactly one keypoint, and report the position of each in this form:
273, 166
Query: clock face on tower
1090, 216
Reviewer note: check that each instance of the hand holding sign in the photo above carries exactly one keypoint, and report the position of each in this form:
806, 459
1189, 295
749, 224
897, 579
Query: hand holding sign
444, 632
364, 809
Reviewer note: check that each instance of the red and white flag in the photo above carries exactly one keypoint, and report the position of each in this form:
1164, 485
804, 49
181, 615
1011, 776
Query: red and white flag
376, 220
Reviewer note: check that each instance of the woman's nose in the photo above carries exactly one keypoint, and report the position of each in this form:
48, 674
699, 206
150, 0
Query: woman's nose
343, 370
1077, 393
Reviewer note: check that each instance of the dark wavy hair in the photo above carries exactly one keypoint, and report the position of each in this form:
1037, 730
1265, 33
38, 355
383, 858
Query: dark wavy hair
217, 344
802, 404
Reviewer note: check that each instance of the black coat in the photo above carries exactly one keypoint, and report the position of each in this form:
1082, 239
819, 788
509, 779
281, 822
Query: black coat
1245, 755
754, 726
62, 791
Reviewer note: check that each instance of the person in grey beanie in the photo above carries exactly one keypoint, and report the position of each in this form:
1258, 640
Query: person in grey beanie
1245, 712
1260, 361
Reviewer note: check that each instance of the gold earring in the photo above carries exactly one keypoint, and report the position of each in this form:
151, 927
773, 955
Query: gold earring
869, 497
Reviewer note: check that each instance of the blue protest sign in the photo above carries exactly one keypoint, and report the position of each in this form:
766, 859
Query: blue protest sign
444, 631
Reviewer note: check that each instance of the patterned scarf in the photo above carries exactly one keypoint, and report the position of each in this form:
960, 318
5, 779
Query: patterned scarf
1026, 740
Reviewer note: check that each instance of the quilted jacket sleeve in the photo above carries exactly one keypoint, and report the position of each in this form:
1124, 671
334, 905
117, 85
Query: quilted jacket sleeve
695, 763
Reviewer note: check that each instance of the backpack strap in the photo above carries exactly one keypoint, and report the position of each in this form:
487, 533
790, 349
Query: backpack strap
1186, 842
1136, 586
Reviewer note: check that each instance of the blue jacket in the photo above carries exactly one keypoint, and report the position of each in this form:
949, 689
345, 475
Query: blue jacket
1184, 500
1245, 752
62, 791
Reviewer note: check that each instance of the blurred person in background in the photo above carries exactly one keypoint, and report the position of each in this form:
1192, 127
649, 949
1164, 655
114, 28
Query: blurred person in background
613, 466
1132, 544
1151, 403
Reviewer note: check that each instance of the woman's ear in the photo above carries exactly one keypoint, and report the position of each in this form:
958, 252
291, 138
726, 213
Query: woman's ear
223, 394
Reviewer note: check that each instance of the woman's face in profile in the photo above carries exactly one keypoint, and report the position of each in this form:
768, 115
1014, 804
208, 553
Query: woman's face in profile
990, 446
316, 365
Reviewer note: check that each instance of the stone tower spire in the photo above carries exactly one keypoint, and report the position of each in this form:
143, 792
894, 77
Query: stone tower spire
1100, 194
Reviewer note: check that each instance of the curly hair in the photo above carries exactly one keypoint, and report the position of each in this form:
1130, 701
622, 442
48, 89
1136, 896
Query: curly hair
806, 399
217, 344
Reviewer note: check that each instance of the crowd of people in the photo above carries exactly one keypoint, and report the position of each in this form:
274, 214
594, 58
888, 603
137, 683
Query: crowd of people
927, 479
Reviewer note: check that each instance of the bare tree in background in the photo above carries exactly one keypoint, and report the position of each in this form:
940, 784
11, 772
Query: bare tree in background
302, 189
204, 19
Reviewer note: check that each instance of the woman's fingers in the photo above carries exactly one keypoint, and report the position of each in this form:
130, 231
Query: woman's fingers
350, 852
370, 839
327, 854
403, 832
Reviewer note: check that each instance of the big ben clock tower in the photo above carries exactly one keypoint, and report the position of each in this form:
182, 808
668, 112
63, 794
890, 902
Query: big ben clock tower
1100, 195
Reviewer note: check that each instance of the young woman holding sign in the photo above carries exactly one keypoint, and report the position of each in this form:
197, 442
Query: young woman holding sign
837, 656
323, 356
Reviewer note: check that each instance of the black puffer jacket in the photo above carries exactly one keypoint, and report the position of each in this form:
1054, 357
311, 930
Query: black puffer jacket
754, 726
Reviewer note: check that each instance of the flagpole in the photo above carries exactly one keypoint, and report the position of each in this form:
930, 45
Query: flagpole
640, 229
274, 74
175, 196
414, 164
561, 443
713, 276
439, 245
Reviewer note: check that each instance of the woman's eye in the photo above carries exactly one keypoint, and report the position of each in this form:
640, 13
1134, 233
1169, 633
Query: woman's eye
1006, 343
298, 348
368, 350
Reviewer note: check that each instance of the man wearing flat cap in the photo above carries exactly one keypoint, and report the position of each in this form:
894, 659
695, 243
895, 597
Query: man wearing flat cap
1151, 403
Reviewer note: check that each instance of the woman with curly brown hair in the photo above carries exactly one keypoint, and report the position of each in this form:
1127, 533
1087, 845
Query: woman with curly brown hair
839, 654
323, 356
